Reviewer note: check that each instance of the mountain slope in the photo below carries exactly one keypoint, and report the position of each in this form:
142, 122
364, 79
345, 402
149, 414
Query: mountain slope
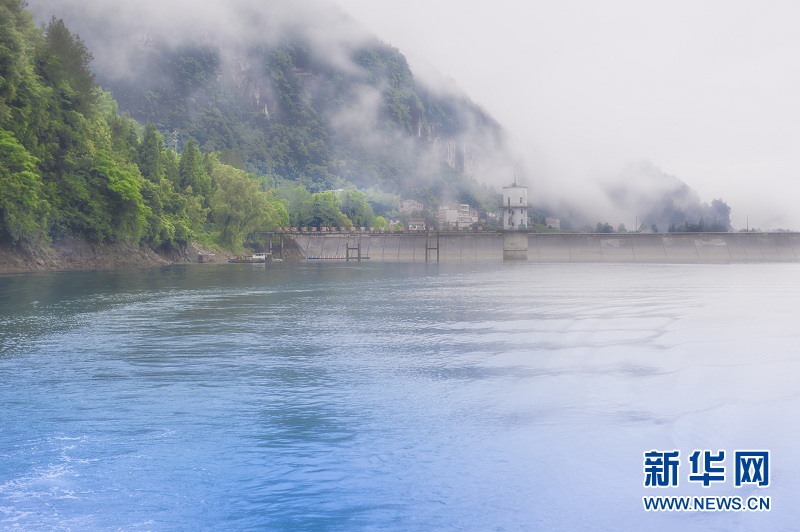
294, 91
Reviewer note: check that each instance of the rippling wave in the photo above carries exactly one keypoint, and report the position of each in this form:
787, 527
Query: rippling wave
388, 396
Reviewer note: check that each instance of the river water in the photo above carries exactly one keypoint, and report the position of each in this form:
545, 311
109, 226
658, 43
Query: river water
503, 396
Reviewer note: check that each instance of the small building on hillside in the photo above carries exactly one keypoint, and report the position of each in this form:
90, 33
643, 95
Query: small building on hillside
409, 206
552, 223
457, 216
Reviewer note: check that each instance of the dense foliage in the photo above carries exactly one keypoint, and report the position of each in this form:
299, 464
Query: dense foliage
71, 166
242, 155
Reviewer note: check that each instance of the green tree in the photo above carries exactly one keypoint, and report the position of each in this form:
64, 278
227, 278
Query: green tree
124, 135
125, 204
239, 208
23, 211
353, 204
151, 153
325, 211
381, 223
298, 204
181, 215
20, 90
171, 167
66, 63
192, 171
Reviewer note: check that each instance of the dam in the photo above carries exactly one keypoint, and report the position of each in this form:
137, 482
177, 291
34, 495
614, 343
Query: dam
554, 247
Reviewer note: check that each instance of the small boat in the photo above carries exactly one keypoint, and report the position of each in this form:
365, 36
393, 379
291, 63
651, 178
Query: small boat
255, 258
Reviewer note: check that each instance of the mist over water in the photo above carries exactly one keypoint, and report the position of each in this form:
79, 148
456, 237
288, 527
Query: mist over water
391, 396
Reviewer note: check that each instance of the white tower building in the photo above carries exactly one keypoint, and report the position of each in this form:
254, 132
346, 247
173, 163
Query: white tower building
515, 207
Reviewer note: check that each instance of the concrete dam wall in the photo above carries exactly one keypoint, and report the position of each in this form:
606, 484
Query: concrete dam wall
558, 247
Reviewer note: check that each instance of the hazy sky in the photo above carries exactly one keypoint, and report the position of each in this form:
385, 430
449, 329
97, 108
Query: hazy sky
707, 91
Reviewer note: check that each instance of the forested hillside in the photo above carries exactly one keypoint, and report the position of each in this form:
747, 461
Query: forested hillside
71, 166
290, 91
215, 143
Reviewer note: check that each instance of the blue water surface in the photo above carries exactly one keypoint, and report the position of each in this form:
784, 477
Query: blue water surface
332, 396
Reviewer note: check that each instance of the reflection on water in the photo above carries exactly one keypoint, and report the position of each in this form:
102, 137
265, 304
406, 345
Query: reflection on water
496, 396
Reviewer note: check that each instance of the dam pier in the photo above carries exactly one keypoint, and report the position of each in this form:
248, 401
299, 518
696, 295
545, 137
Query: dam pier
462, 246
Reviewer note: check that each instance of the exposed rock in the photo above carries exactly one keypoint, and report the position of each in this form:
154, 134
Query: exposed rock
75, 254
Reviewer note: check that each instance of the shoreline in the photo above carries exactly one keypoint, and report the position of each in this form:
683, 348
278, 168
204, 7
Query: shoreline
71, 254
74, 254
